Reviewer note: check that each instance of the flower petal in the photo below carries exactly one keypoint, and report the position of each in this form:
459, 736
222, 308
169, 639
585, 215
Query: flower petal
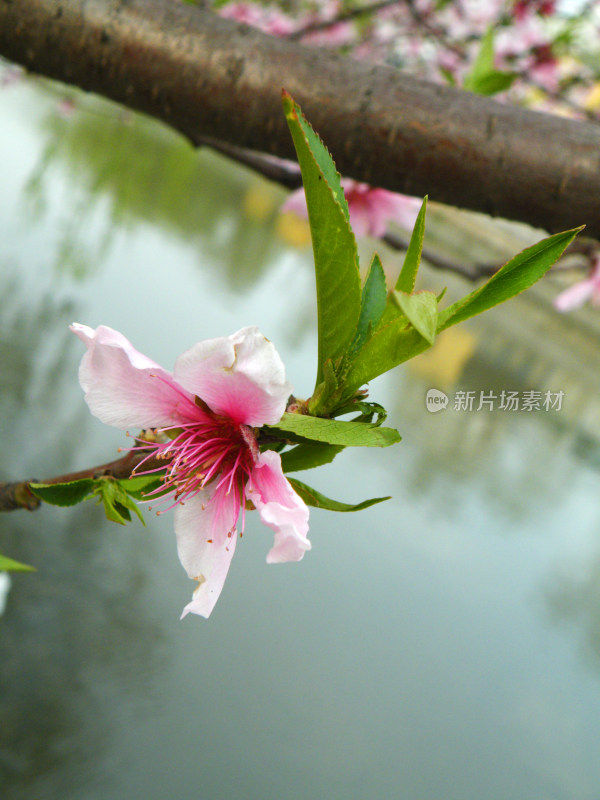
239, 376
123, 387
391, 207
296, 203
280, 508
575, 296
204, 547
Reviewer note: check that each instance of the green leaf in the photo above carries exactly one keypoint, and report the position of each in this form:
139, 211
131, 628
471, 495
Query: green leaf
421, 310
311, 147
127, 504
141, 485
367, 410
373, 301
313, 498
447, 75
514, 277
10, 565
408, 273
390, 345
483, 78
307, 456
494, 82
117, 504
334, 246
324, 390
412, 259
63, 494
484, 61
122, 512
333, 431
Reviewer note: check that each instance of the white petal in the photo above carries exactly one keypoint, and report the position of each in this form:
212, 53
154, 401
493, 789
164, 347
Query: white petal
280, 508
125, 388
240, 376
204, 547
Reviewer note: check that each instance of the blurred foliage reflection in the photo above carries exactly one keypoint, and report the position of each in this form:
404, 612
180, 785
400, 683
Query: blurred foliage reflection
146, 173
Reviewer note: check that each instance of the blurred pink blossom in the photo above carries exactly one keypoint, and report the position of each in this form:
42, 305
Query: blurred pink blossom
268, 19
370, 209
523, 8
587, 289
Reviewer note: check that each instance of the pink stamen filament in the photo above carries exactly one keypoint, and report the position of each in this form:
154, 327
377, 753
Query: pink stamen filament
203, 450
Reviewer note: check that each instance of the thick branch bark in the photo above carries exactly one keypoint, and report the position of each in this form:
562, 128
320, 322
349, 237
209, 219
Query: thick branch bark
210, 77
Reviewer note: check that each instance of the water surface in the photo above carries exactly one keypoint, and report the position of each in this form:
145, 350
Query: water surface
445, 644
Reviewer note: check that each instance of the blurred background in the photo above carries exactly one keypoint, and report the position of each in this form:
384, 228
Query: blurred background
444, 644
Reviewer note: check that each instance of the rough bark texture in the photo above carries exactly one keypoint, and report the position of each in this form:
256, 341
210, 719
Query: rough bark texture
210, 77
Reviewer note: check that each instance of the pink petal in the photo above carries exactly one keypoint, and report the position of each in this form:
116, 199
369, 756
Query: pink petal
196, 522
575, 296
123, 387
296, 203
393, 207
360, 218
280, 508
239, 376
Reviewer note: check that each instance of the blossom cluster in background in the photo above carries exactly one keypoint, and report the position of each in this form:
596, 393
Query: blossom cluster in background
538, 41
543, 52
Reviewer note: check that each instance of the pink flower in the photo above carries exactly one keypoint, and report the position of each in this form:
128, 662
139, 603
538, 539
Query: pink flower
370, 209
587, 289
523, 8
219, 392
269, 20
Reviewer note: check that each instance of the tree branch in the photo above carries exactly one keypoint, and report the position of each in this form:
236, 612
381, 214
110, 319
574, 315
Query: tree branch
211, 77
18, 494
344, 16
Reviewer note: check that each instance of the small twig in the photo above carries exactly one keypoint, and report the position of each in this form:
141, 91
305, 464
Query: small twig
269, 167
345, 16
585, 247
18, 494
399, 242
435, 32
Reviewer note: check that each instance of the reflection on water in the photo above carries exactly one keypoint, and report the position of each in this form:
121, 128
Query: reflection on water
77, 629
187, 193
65, 627
444, 644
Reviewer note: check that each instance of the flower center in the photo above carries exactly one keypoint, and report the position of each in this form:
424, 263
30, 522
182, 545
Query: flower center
207, 451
